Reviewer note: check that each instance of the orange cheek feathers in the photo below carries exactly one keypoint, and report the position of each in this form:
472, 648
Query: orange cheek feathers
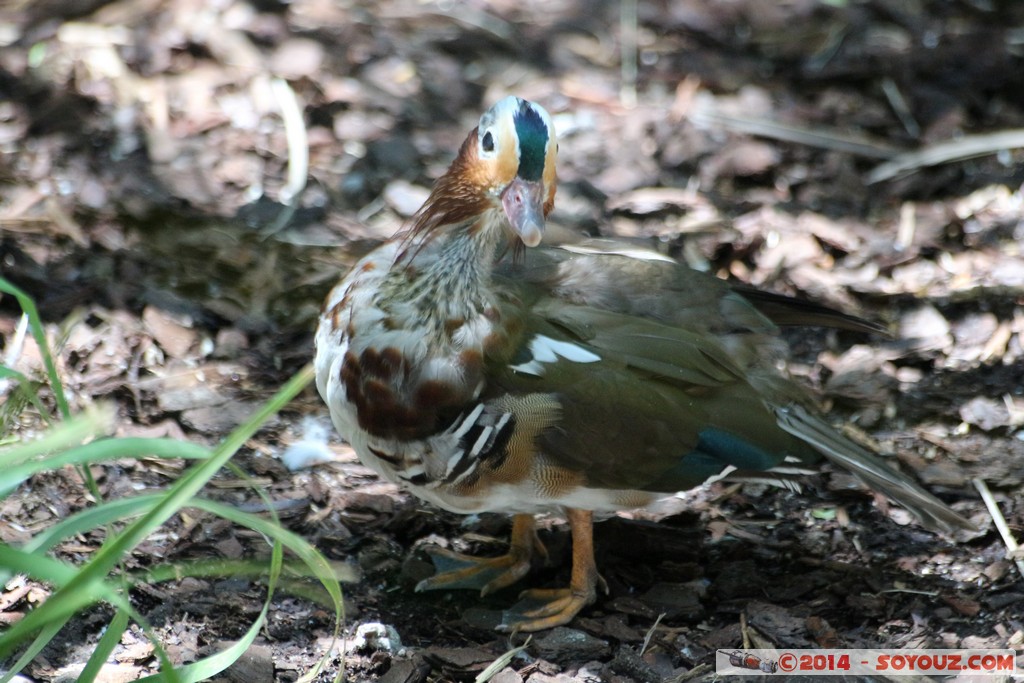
550, 177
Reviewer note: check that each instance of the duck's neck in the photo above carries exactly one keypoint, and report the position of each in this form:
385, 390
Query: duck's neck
454, 274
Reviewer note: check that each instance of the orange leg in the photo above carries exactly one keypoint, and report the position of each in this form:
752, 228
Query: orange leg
487, 574
560, 605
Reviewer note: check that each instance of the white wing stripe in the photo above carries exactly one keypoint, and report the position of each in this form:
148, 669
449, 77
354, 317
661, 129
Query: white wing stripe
544, 349
470, 420
485, 435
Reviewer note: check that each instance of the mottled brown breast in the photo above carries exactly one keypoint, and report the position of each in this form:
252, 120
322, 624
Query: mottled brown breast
392, 402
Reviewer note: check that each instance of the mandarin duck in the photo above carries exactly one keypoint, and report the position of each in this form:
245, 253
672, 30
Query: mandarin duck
589, 378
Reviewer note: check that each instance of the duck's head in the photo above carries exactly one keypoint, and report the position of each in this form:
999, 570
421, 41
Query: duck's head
506, 166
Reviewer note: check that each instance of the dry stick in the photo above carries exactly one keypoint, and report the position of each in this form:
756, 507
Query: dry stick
694, 673
298, 152
14, 349
1000, 522
495, 667
907, 227
650, 633
899, 105
967, 147
627, 55
704, 114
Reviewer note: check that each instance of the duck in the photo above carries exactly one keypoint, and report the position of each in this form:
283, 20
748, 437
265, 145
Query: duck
483, 371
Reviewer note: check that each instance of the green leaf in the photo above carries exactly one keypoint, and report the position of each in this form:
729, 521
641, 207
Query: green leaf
823, 513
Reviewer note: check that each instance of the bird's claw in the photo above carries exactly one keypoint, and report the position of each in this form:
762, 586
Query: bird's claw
541, 609
486, 574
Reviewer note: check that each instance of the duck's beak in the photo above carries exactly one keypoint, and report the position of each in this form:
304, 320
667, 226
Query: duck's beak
523, 201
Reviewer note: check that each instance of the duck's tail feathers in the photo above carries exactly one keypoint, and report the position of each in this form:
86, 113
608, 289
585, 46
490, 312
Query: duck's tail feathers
869, 468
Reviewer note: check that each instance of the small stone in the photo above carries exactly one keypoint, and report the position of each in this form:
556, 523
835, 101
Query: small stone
414, 670
459, 660
297, 57
173, 337
629, 663
507, 675
690, 651
256, 665
223, 418
230, 342
564, 645
986, 413
738, 579
675, 600
108, 673
926, 330
375, 636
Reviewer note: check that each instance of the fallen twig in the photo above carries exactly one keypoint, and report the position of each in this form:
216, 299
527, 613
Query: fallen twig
298, 152
650, 634
966, 147
1012, 548
704, 113
500, 663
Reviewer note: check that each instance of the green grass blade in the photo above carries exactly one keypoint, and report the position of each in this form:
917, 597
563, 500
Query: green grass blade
86, 579
500, 663
214, 664
77, 589
83, 521
250, 569
47, 634
92, 518
58, 573
13, 474
108, 641
309, 555
28, 306
63, 606
26, 391
49, 570
93, 422
38, 567
298, 545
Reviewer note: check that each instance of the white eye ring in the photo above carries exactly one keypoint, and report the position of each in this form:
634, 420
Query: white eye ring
488, 149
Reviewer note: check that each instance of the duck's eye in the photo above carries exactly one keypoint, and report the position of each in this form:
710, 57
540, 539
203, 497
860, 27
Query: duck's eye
487, 143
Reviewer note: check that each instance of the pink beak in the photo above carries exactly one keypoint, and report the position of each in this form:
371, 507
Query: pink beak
523, 201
